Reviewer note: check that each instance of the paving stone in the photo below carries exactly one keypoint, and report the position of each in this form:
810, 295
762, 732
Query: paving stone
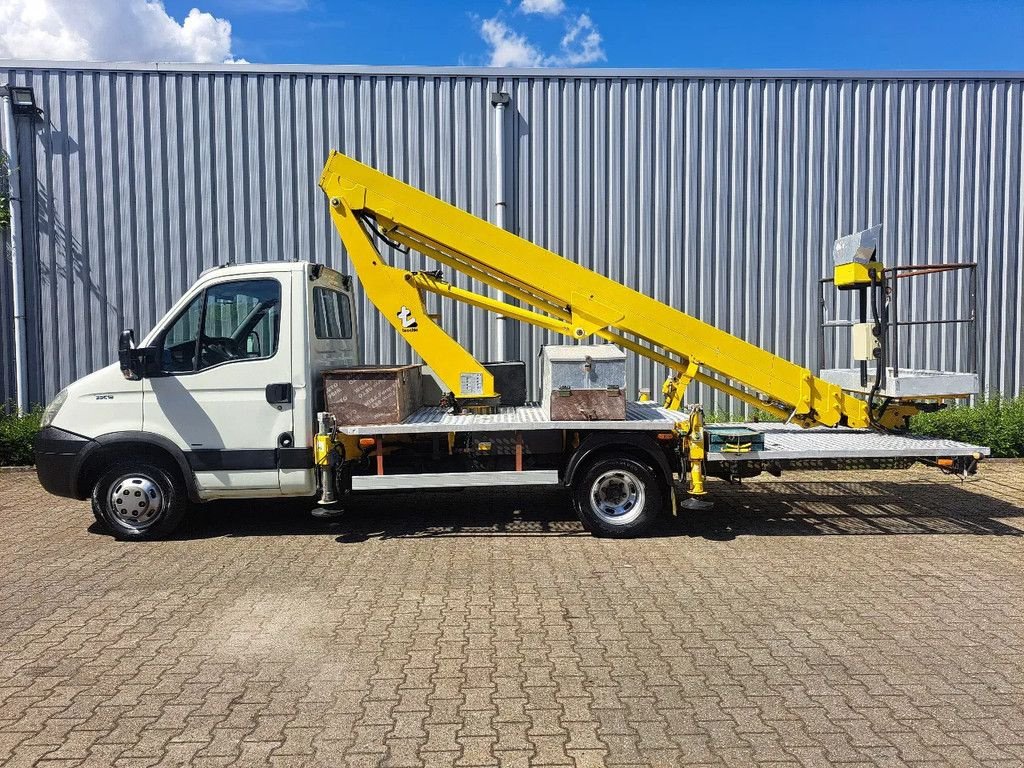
836, 619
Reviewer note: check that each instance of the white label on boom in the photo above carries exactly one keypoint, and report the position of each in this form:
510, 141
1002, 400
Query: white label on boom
471, 384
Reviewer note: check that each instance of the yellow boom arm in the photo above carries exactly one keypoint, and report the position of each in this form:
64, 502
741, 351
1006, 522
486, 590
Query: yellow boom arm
556, 294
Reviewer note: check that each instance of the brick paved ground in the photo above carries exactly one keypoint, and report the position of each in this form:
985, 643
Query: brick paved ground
859, 619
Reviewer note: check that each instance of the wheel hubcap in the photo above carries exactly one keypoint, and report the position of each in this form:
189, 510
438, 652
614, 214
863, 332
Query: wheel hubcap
617, 497
136, 501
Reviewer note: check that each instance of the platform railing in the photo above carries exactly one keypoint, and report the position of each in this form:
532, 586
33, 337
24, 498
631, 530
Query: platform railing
891, 323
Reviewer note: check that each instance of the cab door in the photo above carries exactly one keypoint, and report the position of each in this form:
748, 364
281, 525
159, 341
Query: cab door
224, 391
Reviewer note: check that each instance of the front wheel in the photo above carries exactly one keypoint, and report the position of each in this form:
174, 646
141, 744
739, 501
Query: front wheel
617, 496
139, 501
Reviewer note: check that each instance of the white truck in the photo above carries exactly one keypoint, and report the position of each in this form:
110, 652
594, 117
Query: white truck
224, 397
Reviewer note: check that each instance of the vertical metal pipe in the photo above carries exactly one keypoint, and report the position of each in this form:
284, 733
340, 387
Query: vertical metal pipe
17, 254
972, 341
862, 295
821, 327
895, 324
500, 101
883, 326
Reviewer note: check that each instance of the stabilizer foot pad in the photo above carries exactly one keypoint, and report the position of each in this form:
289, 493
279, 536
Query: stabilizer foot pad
327, 513
696, 505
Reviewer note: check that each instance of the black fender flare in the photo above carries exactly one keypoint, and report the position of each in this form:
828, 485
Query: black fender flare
111, 440
627, 442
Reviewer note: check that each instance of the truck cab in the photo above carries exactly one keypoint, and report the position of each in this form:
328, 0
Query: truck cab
219, 400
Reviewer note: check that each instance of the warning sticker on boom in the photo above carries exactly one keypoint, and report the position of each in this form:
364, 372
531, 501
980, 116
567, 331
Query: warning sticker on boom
471, 384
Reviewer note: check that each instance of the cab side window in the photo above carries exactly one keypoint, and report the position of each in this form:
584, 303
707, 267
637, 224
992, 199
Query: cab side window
237, 320
332, 314
179, 342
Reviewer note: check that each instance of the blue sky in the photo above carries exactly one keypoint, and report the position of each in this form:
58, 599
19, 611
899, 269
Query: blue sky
868, 34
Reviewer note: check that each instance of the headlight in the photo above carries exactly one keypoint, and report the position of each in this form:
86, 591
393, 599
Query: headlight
51, 410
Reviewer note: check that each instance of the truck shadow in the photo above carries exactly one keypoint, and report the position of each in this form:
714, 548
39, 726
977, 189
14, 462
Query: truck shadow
829, 508
773, 508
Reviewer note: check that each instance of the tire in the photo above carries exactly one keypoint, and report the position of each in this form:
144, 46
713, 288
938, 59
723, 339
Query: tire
617, 496
139, 500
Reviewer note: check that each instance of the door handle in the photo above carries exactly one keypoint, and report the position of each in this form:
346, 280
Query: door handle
278, 394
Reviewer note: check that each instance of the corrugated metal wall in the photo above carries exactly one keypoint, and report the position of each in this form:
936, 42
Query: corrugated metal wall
717, 193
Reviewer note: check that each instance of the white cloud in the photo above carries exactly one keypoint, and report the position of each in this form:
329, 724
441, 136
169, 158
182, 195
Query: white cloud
110, 30
581, 43
546, 7
508, 48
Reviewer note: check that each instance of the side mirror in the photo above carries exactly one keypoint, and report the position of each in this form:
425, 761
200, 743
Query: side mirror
125, 348
134, 361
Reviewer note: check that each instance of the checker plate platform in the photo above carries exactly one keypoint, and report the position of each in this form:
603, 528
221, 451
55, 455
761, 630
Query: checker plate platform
782, 442
788, 441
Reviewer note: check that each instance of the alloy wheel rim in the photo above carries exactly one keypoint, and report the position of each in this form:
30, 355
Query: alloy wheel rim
617, 497
136, 501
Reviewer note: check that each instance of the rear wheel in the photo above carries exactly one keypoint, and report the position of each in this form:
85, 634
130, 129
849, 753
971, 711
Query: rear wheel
139, 500
617, 496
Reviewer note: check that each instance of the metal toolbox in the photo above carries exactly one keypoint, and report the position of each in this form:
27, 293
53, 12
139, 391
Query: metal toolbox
583, 382
372, 394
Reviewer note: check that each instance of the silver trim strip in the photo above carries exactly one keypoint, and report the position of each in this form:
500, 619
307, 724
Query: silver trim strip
500, 72
454, 480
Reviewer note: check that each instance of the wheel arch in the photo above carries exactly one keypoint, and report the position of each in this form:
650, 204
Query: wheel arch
638, 445
106, 449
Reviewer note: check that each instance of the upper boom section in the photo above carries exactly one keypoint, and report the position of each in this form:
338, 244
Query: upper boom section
565, 297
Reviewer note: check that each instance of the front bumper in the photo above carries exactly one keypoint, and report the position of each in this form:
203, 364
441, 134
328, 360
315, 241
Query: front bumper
58, 459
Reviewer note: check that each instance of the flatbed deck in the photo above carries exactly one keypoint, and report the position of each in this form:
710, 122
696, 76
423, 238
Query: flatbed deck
427, 420
789, 442
782, 442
